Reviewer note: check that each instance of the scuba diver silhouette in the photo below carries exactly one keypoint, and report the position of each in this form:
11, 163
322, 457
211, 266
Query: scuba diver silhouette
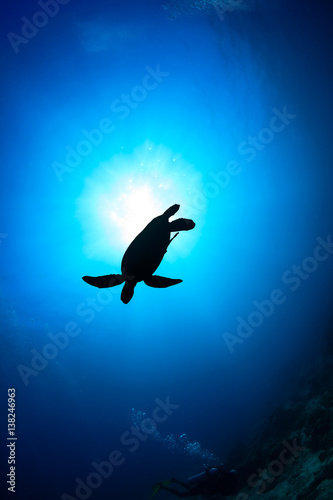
144, 255
213, 481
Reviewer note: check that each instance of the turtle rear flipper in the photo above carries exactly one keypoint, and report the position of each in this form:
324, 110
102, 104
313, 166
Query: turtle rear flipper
181, 225
171, 211
160, 282
106, 281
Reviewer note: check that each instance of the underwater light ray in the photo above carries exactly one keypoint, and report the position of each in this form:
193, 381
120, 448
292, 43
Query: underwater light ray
122, 196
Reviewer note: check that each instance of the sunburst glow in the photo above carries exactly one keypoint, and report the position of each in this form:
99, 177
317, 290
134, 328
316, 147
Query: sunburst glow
121, 196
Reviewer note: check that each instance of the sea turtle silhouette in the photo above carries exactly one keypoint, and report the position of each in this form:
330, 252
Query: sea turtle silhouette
144, 255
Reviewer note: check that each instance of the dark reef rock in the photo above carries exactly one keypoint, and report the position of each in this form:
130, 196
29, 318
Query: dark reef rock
292, 458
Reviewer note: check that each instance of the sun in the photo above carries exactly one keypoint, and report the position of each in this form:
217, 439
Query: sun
124, 194
135, 204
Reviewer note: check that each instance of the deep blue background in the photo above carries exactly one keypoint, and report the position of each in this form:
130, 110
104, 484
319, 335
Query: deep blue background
224, 80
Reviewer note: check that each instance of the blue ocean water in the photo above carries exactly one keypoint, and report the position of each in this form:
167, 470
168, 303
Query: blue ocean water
111, 113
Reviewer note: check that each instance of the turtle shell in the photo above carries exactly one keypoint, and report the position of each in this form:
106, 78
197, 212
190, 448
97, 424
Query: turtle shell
145, 253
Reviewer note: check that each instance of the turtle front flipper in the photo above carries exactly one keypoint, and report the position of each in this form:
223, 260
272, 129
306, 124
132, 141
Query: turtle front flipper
160, 282
181, 225
106, 281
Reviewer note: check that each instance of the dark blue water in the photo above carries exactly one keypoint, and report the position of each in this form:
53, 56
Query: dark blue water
110, 114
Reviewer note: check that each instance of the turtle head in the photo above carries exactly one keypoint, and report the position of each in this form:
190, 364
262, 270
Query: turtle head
171, 211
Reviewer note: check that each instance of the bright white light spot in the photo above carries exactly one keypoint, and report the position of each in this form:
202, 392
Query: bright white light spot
123, 195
